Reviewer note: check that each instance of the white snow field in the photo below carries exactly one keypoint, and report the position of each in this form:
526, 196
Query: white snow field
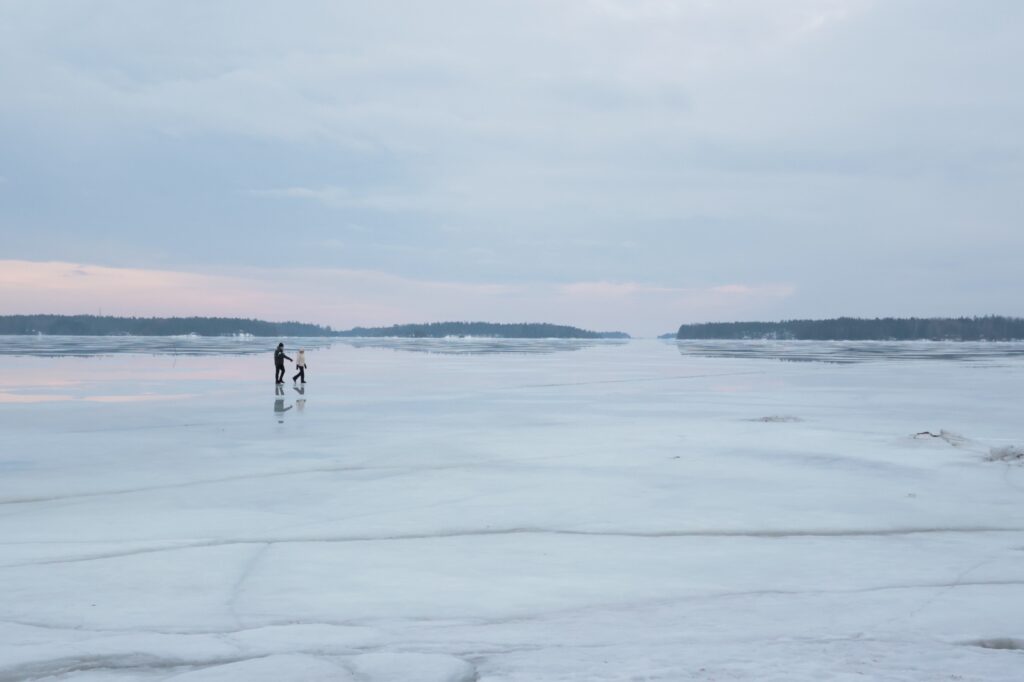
500, 511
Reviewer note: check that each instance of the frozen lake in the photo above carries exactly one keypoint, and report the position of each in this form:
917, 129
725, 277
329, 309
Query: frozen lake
495, 511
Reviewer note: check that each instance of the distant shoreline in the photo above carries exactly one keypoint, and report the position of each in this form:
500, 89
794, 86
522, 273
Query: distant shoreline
96, 325
441, 330
989, 328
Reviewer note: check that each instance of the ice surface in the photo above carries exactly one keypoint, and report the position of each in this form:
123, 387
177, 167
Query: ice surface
487, 510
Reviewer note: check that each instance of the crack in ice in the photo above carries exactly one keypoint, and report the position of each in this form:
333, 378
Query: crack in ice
499, 532
236, 590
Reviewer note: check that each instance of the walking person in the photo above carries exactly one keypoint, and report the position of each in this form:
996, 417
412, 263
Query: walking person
279, 358
300, 364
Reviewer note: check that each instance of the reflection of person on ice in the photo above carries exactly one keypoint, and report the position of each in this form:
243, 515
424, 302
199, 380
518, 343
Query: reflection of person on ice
279, 358
279, 408
300, 364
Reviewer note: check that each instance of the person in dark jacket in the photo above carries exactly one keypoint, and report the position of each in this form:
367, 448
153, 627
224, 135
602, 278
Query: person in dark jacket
279, 358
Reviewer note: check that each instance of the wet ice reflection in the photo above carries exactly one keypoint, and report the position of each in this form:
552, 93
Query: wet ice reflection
844, 352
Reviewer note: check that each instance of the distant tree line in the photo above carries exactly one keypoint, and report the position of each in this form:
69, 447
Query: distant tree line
94, 325
989, 328
524, 330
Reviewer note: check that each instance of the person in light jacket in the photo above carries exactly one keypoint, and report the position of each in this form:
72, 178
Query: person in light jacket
279, 358
300, 364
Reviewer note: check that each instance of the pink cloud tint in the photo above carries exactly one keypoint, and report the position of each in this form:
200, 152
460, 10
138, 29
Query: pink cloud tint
347, 298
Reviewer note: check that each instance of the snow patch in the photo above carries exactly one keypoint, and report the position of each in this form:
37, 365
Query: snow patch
1006, 453
421, 667
270, 669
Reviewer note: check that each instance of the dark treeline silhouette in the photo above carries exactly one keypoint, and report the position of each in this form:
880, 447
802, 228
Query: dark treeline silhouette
94, 325
524, 330
990, 328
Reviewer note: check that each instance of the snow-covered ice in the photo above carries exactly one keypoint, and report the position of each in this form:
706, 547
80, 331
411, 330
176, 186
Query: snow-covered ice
500, 511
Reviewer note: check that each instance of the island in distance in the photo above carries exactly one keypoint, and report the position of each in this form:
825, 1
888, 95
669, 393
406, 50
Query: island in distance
95, 325
988, 328
525, 330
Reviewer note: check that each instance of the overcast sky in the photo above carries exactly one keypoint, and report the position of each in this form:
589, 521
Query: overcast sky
615, 164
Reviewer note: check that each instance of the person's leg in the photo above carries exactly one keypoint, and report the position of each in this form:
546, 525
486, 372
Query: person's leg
303, 372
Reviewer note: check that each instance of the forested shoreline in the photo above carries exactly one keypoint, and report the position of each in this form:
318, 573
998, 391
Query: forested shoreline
96, 325
522, 330
988, 328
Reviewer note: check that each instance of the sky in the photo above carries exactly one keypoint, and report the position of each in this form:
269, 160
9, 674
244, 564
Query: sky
613, 164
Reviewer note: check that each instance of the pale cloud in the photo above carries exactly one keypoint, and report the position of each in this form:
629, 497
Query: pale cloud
613, 290
607, 290
71, 288
780, 290
347, 197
